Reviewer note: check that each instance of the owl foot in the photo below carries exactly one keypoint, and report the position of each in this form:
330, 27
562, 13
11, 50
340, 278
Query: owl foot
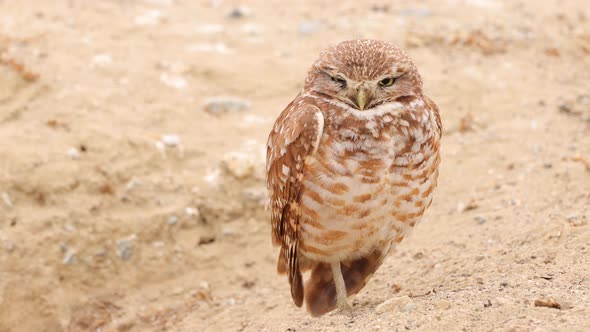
344, 309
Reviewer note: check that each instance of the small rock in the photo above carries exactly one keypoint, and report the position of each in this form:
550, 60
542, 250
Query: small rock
470, 205
408, 307
191, 211
69, 228
7, 200
69, 257
73, 153
308, 27
239, 12
9, 246
125, 247
479, 219
248, 284
220, 105
102, 60
134, 182
173, 80
238, 164
228, 231
547, 302
443, 304
206, 239
415, 12
150, 17
172, 220
395, 288
212, 177
219, 48
157, 244
161, 147
577, 220
210, 28
393, 304
171, 140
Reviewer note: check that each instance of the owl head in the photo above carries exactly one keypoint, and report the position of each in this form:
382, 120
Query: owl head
364, 74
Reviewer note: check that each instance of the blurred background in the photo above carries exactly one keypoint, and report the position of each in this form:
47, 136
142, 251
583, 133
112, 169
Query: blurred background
132, 164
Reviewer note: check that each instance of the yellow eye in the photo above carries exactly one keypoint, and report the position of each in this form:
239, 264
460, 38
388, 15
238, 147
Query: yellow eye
387, 81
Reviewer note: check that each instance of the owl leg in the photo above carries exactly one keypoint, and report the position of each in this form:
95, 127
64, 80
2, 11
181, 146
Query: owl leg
341, 294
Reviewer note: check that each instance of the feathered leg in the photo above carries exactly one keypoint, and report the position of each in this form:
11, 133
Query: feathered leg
341, 294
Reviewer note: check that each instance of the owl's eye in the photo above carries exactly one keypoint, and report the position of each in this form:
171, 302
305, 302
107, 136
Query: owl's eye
387, 81
339, 80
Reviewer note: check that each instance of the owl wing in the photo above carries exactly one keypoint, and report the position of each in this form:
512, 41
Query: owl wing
437, 121
295, 136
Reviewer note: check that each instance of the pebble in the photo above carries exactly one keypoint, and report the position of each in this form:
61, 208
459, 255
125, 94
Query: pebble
228, 231
220, 105
9, 246
69, 228
210, 29
150, 17
308, 27
69, 257
415, 12
161, 148
172, 220
212, 177
7, 200
102, 60
239, 12
238, 164
134, 182
479, 219
470, 205
173, 81
393, 304
219, 48
125, 247
171, 140
191, 211
73, 153
443, 304
409, 307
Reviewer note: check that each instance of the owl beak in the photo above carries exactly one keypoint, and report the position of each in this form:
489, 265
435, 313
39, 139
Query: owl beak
363, 99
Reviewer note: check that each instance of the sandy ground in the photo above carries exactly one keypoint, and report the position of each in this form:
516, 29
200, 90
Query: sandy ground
106, 225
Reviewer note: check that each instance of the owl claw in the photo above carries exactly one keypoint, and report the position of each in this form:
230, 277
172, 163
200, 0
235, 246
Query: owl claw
344, 309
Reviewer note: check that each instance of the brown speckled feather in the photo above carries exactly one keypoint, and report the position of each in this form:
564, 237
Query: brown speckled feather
295, 136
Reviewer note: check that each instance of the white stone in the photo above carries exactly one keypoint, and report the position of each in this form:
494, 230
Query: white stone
393, 304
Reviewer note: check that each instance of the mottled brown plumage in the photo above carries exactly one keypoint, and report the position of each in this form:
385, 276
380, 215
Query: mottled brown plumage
352, 163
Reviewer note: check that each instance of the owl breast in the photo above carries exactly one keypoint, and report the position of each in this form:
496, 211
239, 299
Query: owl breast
365, 188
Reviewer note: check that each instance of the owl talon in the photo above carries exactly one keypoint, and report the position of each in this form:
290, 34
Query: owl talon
344, 309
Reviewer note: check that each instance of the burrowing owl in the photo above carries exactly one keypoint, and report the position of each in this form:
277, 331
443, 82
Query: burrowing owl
351, 165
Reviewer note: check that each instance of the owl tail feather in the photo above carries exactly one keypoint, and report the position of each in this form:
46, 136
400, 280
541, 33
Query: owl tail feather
320, 290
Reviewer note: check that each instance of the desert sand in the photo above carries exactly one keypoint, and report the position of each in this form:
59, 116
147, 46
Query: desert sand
130, 200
